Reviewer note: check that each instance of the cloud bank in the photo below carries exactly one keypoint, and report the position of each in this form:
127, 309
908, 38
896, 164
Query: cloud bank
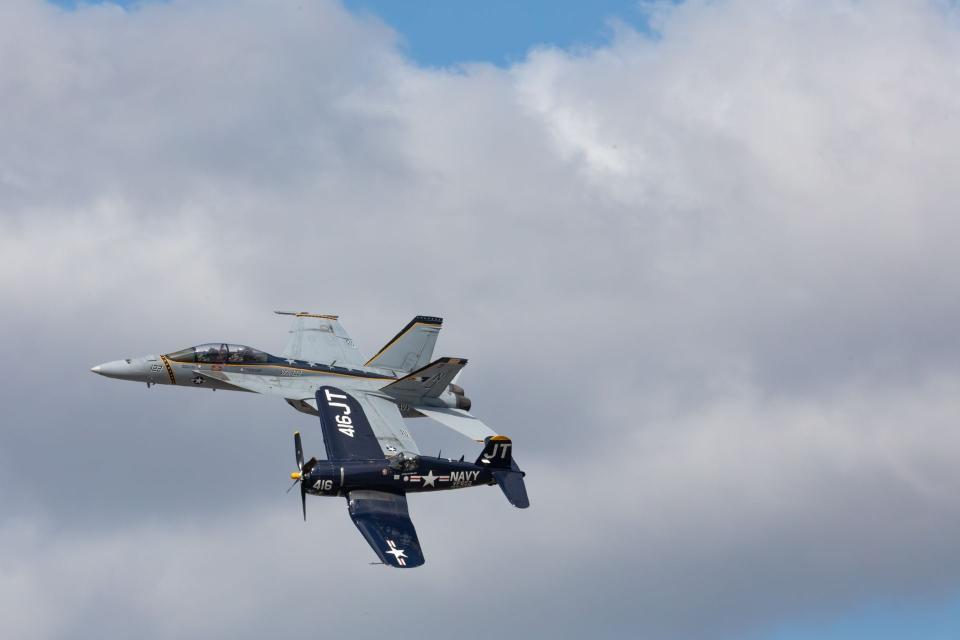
707, 281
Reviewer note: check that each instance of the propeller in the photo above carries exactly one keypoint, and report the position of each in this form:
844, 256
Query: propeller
304, 469
298, 448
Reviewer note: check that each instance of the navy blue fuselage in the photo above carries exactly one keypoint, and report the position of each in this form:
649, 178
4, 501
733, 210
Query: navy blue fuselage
408, 475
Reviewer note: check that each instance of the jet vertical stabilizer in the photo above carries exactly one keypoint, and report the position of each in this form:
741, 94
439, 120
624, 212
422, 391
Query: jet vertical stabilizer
410, 349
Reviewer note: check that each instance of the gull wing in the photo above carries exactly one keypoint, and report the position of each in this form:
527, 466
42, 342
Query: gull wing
359, 426
384, 521
320, 338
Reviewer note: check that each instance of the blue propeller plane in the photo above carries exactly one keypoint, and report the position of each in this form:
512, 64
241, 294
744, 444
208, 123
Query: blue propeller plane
376, 484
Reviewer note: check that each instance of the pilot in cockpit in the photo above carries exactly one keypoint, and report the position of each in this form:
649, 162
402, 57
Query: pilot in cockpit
404, 464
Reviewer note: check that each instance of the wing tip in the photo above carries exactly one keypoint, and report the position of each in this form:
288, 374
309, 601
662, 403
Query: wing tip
408, 564
307, 314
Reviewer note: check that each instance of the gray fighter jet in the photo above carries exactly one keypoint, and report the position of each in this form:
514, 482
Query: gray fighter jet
399, 381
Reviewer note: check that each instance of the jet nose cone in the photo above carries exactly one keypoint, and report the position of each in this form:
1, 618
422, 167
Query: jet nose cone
115, 369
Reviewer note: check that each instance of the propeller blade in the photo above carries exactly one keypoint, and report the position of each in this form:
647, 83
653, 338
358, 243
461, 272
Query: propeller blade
304, 471
303, 500
298, 447
292, 486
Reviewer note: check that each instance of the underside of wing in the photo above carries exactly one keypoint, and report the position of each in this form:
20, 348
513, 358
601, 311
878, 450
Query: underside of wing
320, 338
460, 421
384, 521
388, 424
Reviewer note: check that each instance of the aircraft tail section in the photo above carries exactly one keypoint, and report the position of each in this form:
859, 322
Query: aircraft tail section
410, 349
513, 487
498, 456
427, 382
496, 452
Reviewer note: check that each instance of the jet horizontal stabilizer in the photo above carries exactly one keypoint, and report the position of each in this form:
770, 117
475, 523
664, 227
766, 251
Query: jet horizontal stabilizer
427, 382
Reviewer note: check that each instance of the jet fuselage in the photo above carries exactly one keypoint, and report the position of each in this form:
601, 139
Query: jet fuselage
183, 367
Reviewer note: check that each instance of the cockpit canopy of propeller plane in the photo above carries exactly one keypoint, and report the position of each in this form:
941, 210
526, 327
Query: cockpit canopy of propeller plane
220, 353
405, 463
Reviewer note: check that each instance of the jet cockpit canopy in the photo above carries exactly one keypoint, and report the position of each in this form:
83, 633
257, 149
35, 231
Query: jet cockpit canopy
220, 353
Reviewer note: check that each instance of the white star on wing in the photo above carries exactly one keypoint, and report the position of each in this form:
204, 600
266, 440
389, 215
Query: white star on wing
398, 554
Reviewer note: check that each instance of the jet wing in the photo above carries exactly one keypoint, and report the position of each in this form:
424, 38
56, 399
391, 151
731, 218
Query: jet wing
384, 521
387, 424
320, 338
359, 426
460, 421
294, 388
381, 414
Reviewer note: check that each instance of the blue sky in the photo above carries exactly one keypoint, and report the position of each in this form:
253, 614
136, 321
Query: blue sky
497, 31
886, 621
438, 33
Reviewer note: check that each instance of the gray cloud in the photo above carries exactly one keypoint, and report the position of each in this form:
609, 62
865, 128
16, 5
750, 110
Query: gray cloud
706, 280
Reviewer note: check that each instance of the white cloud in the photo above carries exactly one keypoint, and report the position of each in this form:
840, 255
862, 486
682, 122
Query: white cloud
707, 280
